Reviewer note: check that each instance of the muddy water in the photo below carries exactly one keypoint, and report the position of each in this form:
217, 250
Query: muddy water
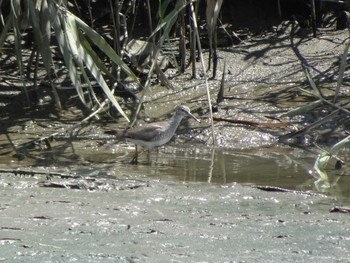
278, 167
93, 206
283, 167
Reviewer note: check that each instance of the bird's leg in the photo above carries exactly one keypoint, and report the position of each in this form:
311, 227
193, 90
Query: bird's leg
158, 149
148, 156
135, 157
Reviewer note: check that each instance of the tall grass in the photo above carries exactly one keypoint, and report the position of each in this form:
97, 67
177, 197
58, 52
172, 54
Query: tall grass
74, 38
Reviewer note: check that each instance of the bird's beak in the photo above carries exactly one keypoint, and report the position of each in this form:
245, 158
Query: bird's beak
193, 117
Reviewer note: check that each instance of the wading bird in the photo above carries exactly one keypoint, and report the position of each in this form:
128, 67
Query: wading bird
154, 134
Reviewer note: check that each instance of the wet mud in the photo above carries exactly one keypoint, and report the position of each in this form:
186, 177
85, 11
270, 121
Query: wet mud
249, 199
138, 219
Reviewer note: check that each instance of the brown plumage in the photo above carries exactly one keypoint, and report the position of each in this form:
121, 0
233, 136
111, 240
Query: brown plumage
154, 134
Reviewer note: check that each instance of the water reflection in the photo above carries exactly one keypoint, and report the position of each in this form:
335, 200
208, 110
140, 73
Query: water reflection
245, 166
280, 167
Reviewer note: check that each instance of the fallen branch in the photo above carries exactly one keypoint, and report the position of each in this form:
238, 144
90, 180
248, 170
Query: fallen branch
33, 172
255, 124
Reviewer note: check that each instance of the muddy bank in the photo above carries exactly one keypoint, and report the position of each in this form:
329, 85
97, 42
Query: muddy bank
137, 219
89, 205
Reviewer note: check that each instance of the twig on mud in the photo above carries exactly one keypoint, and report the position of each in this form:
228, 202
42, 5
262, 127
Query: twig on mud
269, 188
311, 126
220, 96
32, 172
303, 62
306, 67
316, 91
255, 124
339, 209
319, 95
341, 71
342, 66
194, 18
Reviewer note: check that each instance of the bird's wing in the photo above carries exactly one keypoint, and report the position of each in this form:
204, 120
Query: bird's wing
146, 132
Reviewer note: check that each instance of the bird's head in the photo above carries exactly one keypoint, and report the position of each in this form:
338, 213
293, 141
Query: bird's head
185, 112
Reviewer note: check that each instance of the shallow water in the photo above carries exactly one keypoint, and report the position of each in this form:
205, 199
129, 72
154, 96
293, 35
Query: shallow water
278, 167
288, 168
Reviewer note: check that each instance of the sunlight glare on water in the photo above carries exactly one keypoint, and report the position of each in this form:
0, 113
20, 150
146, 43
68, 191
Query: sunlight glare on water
278, 167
